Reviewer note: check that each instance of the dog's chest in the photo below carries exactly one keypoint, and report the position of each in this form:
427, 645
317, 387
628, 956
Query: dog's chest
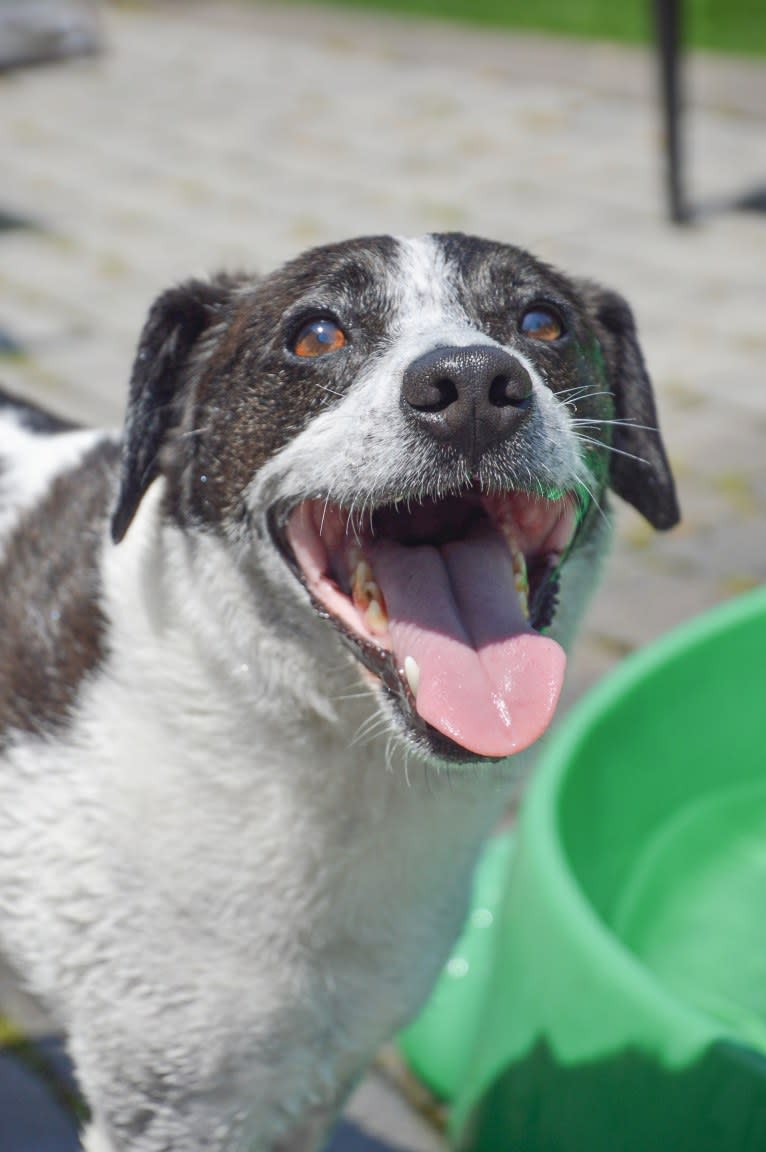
325, 947
376, 927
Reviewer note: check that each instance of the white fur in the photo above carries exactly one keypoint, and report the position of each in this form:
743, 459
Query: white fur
427, 298
29, 463
95, 1140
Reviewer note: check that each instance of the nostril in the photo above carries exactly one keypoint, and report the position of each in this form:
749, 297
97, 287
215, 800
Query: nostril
471, 397
504, 393
435, 395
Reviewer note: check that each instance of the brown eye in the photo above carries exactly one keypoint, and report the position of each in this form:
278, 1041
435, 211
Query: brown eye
542, 323
319, 338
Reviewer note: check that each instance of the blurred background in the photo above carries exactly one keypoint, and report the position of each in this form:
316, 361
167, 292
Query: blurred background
143, 142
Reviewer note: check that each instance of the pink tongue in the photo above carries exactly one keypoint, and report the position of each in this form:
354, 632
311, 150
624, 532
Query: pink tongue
487, 680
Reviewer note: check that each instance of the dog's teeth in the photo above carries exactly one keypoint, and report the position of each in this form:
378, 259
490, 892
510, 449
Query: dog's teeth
518, 560
412, 672
361, 584
520, 577
368, 599
521, 580
376, 618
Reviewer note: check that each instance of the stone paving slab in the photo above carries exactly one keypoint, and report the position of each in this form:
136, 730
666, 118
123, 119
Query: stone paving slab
39, 31
235, 135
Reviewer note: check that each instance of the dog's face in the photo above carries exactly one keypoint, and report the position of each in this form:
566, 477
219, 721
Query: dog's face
414, 439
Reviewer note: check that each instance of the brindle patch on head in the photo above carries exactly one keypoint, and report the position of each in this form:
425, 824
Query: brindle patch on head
51, 624
251, 395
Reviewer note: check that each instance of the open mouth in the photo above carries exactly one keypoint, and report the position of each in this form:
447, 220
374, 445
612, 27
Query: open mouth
445, 601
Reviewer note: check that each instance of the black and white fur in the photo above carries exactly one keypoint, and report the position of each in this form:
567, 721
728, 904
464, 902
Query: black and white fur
229, 894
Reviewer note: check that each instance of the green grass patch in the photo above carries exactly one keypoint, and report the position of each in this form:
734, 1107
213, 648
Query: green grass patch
737, 26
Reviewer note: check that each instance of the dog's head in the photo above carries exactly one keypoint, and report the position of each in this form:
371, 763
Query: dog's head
414, 440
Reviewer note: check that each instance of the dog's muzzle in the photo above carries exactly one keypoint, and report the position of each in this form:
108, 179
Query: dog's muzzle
445, 593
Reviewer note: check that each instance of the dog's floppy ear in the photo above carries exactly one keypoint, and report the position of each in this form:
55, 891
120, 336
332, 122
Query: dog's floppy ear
175, 321
639, 468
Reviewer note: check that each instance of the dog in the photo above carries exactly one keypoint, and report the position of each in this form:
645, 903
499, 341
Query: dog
270, 662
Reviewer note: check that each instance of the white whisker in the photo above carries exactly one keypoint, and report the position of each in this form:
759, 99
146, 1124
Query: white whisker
594, 500
571, 396
369, 729
324, 388
611, 448
579, 422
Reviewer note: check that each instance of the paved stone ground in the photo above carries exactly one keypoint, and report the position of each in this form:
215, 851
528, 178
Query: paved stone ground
37, 31
237, 136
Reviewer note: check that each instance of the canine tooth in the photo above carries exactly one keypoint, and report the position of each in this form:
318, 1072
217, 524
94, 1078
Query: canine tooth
368, 598
520, 577
518, 560
522, 591
376, 618
412, 672
362, 581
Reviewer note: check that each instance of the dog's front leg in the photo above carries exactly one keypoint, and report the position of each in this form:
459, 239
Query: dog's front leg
311, 1136
138, 1113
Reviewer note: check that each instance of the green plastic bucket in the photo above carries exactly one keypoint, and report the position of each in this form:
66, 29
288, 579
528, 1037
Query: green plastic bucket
619, 1004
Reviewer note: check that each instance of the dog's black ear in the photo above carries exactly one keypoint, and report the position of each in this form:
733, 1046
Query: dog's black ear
176, 320
639, 468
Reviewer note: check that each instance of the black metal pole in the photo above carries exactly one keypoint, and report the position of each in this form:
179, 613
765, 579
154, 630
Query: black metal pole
668, 27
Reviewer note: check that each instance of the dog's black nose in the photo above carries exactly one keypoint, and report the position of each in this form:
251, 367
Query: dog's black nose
471, 398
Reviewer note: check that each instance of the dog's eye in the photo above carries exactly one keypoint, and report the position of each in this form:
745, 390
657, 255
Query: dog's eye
542, 323
319, 338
